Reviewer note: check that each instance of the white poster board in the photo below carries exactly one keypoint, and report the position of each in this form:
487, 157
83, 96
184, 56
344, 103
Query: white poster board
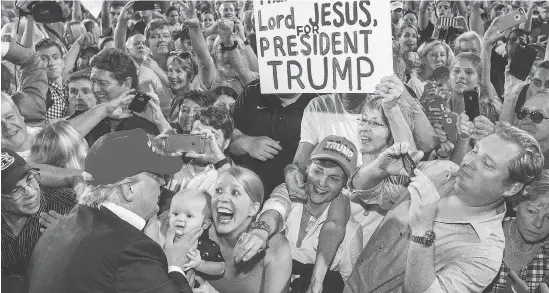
93, 6
323, 46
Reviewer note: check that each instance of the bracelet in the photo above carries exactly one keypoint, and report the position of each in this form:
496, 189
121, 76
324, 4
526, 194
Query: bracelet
235, 44
262, 225
221, 163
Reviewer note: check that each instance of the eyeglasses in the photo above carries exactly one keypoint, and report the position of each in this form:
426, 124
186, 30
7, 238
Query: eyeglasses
372, 124
33, 178
535, 116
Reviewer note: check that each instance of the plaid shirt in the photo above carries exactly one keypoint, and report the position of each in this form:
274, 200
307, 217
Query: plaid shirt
533, 273
60, 97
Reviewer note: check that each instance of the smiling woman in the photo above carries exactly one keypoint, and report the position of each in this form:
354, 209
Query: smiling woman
236, 200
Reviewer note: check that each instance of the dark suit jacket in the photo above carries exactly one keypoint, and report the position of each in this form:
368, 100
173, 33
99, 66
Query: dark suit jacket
93, 250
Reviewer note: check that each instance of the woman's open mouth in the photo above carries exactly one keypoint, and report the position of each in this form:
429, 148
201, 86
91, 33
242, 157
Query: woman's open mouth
224, 215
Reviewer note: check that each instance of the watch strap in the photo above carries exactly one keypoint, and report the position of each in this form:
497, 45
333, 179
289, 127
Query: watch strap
221, 163
261, 225
427, 240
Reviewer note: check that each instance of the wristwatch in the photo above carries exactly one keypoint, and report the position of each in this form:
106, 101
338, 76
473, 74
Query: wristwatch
427, 240
221, 163
261, 225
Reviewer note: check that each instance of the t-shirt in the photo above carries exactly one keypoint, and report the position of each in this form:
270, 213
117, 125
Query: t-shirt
163, 91
257, 114
325, 116
417, 85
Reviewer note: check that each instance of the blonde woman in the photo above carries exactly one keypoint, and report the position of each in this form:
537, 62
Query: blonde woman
432, 55
73, 30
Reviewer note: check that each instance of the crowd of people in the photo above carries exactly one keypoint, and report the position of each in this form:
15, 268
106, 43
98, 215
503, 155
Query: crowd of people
436, 182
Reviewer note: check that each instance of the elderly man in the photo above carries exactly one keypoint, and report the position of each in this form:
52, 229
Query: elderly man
444, 234
22, 202
100, 246
15, 134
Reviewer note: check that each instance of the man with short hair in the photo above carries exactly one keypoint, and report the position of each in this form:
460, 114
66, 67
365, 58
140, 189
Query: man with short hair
137, 48
396, 15
444, 233
100, 246
15, 134
57, 97
159, 40
113, 76
23, 199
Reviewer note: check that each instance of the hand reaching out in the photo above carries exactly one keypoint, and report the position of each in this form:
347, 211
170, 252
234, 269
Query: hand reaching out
195, 260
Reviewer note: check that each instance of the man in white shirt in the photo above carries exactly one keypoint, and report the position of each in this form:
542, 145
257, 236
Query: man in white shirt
100, 245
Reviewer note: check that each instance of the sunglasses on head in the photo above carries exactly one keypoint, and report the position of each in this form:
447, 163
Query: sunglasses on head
535, 116
182, 55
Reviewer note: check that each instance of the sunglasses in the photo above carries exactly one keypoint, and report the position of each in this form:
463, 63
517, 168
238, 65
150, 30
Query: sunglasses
182, 55
535, 116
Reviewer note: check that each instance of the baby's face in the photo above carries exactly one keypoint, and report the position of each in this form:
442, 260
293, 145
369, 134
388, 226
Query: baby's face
186, 213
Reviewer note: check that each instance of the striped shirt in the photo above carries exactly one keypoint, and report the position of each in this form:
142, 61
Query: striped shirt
17, 250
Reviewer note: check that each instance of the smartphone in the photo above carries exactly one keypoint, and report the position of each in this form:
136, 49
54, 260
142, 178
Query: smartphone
409, 164
522, 61
436, 104
472, 108
139, 102
440, 72
185, 143
446, 21
512, 19
449, 125
143, 5
460, 21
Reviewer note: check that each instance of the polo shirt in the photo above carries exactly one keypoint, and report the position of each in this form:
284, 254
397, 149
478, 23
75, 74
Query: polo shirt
257, 114
104, 127
17, 250
468, 250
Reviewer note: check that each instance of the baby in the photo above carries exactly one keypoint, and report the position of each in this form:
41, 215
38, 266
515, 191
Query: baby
189, 209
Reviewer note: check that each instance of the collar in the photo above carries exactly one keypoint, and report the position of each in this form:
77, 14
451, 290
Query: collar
485, 224
125, 214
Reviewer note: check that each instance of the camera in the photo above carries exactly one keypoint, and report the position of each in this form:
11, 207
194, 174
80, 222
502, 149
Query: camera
44, 11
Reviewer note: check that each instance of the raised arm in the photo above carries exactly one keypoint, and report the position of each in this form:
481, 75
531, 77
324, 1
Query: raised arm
33, 82
77, 10
105, 17
492, 35
423, 18
87, 39
238, 63
120, 31
27, 39
475, 19
207, 68
527, 26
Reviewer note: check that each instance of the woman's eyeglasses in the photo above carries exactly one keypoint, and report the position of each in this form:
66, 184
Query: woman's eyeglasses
372, 124
535, 116
33, 178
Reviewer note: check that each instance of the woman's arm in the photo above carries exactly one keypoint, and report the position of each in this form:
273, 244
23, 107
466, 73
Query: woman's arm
105, 17
278, 268
120, 31
207, 68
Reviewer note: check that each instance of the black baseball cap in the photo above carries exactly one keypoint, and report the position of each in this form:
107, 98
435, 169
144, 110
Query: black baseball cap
123, 154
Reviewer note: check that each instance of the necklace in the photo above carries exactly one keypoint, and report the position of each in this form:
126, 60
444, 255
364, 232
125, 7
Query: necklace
513, 242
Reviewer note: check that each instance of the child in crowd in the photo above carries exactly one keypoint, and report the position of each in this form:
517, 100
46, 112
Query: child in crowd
189, 209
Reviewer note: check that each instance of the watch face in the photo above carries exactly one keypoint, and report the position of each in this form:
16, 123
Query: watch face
430, 237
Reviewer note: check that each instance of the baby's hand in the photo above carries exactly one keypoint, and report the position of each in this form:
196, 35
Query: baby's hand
195, 260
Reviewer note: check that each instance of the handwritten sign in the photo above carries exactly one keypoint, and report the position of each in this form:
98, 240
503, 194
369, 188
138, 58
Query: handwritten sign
323, 46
